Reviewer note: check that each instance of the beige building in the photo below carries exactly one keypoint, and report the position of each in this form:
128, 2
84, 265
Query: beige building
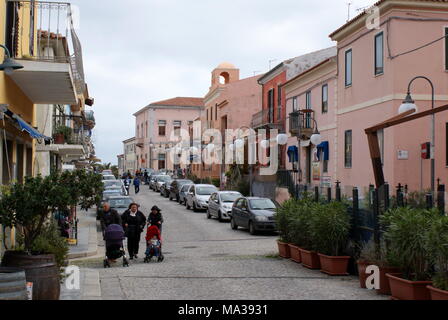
130, 158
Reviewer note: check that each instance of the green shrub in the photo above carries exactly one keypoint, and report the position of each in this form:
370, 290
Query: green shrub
283, 216
437, 247
216, 182
406, 232
329, 228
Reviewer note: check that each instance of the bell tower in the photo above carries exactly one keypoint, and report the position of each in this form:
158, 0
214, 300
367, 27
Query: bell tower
224, 74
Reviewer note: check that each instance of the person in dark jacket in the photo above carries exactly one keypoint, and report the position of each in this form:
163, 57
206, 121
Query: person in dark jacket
109, 216
155, 218
133, 223
137, 184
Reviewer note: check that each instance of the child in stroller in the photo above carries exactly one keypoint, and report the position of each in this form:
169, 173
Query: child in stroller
153, 244
114, 236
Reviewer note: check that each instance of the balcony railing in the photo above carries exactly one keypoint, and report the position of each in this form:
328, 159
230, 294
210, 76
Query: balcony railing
44, 31
301, 123
265, 118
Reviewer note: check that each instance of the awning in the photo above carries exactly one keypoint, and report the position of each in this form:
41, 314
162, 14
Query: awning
293, 154
323, 147
24, 126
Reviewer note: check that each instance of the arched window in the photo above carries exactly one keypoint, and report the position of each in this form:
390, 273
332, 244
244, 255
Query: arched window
224, 78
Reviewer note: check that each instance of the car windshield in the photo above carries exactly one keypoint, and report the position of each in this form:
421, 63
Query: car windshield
183, 182
205, 191
262, 204
109, 178
112, 183
229, 197
120, 202
164, 178
186, 187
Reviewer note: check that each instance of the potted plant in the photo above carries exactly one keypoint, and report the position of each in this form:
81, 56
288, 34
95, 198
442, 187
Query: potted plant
62, 134
282, 219
406, 235
330, 227
437, 246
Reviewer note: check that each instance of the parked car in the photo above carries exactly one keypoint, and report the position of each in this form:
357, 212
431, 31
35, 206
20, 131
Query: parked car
165, 188
109, 177
220, 204
199, 195
176, 187
153, 181
183, 193
107, 172
119, 203
106, 195
159, 181
255, 214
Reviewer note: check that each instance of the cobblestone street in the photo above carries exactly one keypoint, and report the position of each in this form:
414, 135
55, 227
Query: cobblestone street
205, 259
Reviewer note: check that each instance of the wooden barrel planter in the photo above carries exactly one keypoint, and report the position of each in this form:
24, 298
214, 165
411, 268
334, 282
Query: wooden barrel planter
41, 270
12, 284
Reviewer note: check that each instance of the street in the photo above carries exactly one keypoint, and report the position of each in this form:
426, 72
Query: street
205, 259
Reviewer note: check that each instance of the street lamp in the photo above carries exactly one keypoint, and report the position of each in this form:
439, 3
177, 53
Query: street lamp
409, 104
9, 64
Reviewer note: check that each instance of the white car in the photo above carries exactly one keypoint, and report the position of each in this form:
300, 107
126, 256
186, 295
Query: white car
199, 195
109, 177
220, 204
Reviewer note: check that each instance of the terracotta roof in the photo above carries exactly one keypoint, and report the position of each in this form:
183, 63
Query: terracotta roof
180, 101
362, 14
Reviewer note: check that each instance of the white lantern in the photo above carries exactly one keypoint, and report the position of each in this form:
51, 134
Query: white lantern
316, 139
406, 106
239, 143
264, 144
282, 139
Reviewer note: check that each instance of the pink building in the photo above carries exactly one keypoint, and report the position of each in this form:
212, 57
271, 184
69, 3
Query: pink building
158, 127
367, 82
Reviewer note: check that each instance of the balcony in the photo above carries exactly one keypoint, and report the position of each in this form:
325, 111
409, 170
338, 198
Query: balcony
264, 119
41, 37
301, 123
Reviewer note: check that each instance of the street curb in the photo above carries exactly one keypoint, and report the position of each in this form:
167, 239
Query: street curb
93, 244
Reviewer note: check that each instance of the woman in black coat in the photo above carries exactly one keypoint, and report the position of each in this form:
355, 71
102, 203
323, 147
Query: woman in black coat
133, 223
155, 218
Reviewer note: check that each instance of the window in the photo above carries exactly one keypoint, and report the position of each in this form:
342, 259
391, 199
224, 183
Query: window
294, 104
348, 149
216, 112
380, 135
348, 68
446, 144
308, 106
325, 98
162, 127
446, 49
379, 54
146, 131
177, 126
271, 100
207, 114
325, 166
279, 102
161, 161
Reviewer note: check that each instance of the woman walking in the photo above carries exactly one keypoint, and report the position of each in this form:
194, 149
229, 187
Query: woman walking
155, 218
134, 223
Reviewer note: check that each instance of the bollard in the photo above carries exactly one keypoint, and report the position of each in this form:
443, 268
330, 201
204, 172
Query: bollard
441, 198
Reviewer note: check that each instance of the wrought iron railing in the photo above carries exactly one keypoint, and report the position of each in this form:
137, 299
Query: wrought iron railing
301, 123
265, 118
45, 31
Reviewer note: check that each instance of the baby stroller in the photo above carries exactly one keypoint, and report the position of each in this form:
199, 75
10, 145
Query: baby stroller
114, 236
153, 231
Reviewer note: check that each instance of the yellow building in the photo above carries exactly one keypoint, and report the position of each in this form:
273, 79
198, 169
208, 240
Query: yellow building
40, 36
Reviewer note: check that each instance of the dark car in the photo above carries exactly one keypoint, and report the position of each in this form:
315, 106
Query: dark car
165, 189
255, 214
175, 188
119, 203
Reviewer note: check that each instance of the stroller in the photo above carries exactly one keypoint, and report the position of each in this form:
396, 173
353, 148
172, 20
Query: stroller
114, 236
153, 231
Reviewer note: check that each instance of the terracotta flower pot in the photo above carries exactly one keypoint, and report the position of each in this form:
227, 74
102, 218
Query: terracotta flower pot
295, 253
362, 266
59, 138
403, 289
334, 265
310, 259
437, 294
283, 250
384, 281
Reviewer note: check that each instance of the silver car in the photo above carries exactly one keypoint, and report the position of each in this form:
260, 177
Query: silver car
183, 193
199, 195
220, 204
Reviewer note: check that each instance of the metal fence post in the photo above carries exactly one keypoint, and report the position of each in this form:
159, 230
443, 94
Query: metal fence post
400, 199
316, 194
376, 224
338, 191
356, 214
441, 198
329, 194
429, 201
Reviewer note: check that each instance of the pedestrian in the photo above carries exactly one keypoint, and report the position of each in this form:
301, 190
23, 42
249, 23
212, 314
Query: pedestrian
155, 218
137, 184
133, 223
146, 177
127, 185
109, 216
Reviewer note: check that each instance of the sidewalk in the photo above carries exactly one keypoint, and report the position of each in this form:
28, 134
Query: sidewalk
90, 288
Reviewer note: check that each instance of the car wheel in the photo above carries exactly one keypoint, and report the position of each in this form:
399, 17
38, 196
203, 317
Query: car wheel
177, 199
219, 216
194, 207
187, 205
233, 225
252, 230
208, 214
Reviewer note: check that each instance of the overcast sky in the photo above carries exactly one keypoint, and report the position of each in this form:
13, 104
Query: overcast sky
140, 51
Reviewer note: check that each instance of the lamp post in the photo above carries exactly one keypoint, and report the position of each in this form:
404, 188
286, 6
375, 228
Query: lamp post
409, 104
9, 64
